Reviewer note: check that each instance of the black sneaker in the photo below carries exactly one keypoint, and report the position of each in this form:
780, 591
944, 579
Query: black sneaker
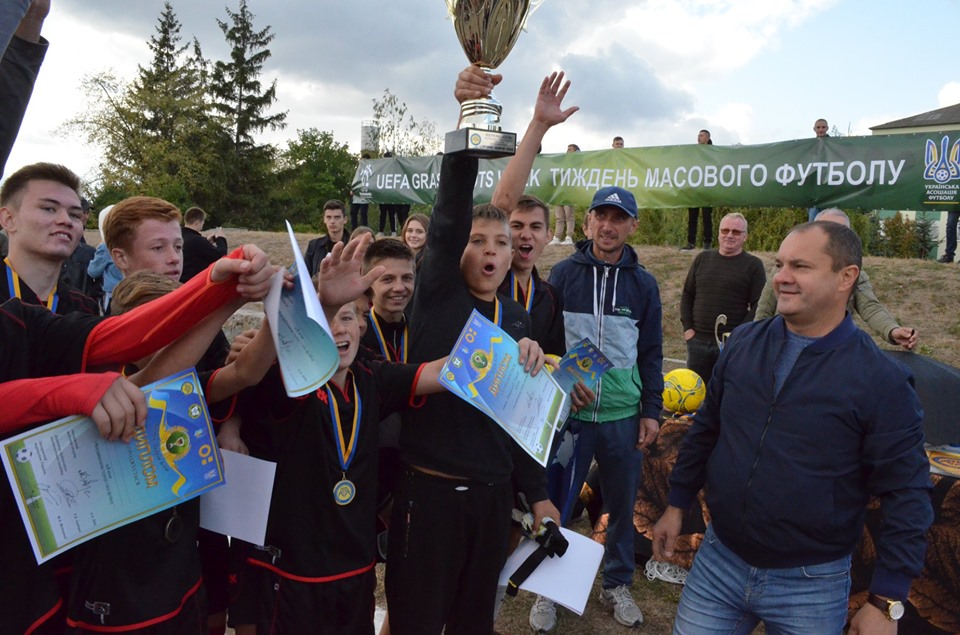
687, 247
945, 258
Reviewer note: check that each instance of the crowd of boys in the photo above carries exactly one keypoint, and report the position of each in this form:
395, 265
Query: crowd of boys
456, 475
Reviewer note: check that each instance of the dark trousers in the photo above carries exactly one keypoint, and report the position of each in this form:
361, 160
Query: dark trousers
359, 213
387, 211
707, 213
448, 542
291, 607
702, 355
952, 219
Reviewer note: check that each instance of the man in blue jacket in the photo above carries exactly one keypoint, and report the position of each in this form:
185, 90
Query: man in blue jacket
805, 419
610, 298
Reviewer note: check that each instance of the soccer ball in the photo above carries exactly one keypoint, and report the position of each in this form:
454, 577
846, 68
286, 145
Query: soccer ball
24, 455
683, 391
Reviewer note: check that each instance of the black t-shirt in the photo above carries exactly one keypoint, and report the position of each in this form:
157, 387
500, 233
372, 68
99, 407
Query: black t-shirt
316, 536
392, 340
447, 434
66, 299
546, 312
33, 343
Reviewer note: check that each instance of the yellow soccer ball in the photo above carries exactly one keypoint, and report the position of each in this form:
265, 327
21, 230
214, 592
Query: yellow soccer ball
683, 391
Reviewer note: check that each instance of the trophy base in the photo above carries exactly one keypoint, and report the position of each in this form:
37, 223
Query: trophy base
483, 144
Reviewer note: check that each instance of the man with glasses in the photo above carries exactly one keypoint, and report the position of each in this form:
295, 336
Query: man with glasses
726, 281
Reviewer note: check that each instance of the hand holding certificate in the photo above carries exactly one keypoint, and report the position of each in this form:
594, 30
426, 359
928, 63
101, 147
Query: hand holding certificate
72, 485
483, 371
305, 349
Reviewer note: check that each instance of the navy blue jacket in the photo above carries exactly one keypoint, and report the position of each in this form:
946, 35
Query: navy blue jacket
618, 307
789, 476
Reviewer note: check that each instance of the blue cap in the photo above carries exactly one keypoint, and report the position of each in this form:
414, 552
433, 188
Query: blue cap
615, 197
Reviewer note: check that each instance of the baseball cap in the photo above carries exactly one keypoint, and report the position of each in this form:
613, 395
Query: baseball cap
616, 197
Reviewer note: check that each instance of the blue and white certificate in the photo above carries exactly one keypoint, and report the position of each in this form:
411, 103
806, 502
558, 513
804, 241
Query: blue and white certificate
483, 371
72, 485
306, 351
584, 362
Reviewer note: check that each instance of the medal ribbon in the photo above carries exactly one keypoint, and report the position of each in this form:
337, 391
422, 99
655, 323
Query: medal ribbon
497, 317
345, 449
385, 349
13, 285
515, 289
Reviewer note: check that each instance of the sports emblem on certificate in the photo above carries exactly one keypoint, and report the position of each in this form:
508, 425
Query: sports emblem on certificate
72, 485
483, 371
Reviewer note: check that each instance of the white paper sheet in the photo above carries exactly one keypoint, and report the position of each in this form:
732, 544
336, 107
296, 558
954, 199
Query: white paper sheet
241, 507
301, 335
566, 580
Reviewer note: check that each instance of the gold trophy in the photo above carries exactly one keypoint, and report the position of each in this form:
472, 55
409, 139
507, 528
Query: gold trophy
487, 30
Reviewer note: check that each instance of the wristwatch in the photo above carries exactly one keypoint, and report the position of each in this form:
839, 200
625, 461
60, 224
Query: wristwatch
892, 609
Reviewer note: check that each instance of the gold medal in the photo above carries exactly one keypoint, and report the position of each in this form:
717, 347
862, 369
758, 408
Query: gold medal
344, 491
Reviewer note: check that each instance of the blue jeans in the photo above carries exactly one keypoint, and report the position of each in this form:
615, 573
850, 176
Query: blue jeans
614, 445
724, 594
812, 214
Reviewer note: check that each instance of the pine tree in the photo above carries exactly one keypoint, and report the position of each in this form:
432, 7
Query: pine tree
242, 101
158, 133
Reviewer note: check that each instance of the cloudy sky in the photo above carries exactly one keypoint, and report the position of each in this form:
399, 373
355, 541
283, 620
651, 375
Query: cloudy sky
654, 71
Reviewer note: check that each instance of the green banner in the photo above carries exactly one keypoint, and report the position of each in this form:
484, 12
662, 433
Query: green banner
909, 171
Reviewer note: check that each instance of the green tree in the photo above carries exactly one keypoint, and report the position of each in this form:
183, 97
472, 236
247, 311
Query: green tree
399, 133
313, 169
243, 102
157, 133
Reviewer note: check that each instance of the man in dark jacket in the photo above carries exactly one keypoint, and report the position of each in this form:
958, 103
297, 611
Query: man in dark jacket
610, 298
790, 465
198, 250
318, 248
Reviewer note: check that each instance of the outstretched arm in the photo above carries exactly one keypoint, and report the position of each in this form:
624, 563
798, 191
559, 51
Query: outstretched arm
247, 370
547, 113
114, 403
244, 274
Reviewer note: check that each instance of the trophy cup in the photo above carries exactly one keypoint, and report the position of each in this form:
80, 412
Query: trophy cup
487, 30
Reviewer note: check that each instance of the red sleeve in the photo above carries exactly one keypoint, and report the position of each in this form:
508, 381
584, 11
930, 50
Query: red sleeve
28, 401
153, 325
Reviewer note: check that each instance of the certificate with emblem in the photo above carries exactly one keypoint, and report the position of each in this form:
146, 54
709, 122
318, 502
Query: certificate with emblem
582, 363
483, 370
72, 485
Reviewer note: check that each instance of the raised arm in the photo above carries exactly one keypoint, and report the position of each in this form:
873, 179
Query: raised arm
546, 113
340, 277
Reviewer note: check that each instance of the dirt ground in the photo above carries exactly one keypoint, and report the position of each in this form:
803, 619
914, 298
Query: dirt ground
919, 293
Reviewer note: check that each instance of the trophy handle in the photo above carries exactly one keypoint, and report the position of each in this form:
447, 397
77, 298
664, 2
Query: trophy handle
533, 6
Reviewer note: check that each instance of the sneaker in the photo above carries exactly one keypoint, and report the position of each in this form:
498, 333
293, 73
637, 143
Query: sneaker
625, 610
567, 241
945, 258
555, 241
687, 247
666, 571
543, 615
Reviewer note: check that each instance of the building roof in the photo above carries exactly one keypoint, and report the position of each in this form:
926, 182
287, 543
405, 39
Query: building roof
940, 117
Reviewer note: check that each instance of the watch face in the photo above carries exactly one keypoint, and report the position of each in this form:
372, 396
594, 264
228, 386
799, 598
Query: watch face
896, 610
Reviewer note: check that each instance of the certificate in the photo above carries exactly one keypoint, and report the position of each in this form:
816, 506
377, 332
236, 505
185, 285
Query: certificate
483, 371
72, 485
584, 362
305, 348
